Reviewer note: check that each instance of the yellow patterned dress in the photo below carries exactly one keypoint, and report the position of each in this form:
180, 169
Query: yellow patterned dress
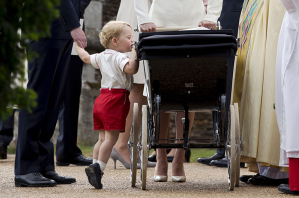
254, 81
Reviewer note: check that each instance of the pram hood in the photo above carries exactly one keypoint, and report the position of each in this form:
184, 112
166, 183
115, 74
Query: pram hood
188, 43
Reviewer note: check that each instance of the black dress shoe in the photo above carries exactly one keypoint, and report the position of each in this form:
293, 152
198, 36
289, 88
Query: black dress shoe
187, 156
3, 151
34, 179
207, 160
94, 175
170, 158
285, 188
266, 181
245, 178
57, 178
79, 161
88, 173
152, 158
219, 163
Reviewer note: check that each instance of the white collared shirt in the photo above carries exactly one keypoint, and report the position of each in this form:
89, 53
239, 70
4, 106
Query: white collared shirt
112, 63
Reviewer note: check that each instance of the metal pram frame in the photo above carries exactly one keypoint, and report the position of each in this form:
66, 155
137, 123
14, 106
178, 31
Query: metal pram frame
170, 61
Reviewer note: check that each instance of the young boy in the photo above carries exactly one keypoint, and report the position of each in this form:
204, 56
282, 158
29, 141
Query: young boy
112, 105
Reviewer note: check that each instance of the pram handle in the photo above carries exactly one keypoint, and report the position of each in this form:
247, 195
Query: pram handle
177, 28
174, 28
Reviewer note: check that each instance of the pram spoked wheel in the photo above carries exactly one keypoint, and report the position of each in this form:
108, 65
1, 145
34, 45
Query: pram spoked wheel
138, 146
133, 144
238, 145
231, 148
144, 150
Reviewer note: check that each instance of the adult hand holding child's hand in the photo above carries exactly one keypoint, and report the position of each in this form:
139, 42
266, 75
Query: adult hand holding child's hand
207, 24
79, 37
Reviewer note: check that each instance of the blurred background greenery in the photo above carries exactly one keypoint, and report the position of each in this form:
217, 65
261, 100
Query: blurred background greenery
20, 23
195, 153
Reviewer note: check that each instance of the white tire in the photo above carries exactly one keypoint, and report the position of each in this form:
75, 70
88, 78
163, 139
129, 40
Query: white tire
144, 151
238, 145
133, 141
231, 149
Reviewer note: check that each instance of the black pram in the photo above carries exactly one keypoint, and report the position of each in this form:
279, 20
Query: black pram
186, 71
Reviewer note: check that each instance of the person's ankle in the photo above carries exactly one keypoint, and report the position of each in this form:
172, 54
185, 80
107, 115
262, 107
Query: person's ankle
121, 148
161, 169
178, 171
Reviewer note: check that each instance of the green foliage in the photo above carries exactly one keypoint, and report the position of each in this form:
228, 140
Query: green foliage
33, 18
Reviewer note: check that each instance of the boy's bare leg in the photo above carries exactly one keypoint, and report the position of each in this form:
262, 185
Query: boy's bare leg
162, 164
106, 147
179, 157
98, 144
136, 96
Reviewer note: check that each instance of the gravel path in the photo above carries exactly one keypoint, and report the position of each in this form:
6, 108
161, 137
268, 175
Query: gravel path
202, 181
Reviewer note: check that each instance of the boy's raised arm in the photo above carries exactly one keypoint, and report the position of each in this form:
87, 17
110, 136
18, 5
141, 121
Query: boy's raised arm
132, 66
84, 56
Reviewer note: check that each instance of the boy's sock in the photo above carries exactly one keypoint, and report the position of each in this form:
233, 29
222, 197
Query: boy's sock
94, 161
102, 165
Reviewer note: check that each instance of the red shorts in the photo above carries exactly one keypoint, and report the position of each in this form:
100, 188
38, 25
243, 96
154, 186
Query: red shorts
111, 109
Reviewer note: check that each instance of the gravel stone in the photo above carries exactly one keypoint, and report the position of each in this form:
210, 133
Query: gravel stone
202, 181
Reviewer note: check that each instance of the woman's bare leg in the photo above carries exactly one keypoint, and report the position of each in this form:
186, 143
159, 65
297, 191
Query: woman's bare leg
136, 96
179, 157
172, 152
162, 164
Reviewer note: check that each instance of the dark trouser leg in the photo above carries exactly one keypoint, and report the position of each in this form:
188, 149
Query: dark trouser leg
47, 75
68, 116
221, 151
6, 130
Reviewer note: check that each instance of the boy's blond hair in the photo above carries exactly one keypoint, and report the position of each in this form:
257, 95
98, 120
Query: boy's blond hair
110, 30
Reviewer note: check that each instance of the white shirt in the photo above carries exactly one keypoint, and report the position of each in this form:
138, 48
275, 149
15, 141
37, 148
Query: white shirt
112, 63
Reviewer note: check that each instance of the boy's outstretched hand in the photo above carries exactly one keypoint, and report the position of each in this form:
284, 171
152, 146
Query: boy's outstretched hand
84, 56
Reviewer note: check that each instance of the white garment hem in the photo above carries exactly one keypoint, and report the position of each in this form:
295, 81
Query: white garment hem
289, 150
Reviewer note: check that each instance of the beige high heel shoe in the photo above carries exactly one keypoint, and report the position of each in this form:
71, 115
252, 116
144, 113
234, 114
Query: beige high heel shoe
116, 156
178, 178
159, 178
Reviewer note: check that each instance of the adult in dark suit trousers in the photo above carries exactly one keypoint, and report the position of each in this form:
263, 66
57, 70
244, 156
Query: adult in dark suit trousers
229, 19
34, 163
67, 151
6, 134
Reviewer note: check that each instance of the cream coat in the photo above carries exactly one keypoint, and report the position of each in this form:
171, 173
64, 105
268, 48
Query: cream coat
177, 12
127, 13
287, 83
